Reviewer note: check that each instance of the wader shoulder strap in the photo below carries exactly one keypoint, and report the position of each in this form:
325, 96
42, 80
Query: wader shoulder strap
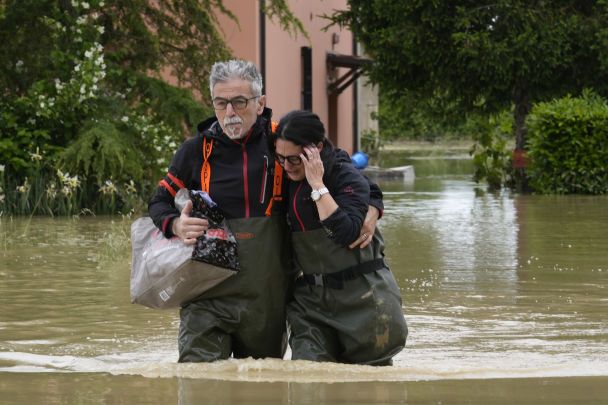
277, 187
206, 169
277, 184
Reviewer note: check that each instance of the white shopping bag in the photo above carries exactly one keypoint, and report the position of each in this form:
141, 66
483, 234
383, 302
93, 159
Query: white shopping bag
163, 274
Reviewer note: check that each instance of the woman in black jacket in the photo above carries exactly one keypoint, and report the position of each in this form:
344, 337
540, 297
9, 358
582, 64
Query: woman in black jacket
346, 306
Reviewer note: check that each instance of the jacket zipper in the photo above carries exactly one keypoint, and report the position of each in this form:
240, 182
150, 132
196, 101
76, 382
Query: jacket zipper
245, 181
295, 209
264, 181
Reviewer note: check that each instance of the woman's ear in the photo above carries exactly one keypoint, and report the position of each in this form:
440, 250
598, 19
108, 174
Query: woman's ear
320, 146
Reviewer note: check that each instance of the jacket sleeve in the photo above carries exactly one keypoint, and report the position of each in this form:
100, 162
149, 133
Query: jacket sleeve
351, 191
161, 206
375, 194
375, 197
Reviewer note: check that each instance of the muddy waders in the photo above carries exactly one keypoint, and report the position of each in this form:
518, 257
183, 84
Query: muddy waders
346, 307
244, 315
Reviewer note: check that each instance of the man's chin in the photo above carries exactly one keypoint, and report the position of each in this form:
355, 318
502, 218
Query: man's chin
234, 133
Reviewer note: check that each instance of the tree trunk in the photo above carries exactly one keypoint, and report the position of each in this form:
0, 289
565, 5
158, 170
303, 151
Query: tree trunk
522, 109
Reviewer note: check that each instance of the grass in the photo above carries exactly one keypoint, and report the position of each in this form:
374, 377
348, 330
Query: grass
441, 147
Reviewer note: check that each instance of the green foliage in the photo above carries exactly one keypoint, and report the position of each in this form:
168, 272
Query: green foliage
568, 145
102, 150
83, 92
371, 142
492, 150
402, 115
279, 11
479, 53
477, 57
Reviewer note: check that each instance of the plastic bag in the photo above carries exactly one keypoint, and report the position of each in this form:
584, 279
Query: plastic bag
163, 272
218, 245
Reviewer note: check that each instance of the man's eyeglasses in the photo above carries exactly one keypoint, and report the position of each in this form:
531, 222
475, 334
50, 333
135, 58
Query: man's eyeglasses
238, 103
293, 159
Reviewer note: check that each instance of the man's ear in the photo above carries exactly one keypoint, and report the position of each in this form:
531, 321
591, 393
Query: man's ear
320, 146
261, 104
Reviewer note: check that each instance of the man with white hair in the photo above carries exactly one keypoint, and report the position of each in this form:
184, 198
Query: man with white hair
232, 159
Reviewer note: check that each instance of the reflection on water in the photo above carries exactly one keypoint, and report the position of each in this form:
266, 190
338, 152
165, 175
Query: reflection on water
494, 286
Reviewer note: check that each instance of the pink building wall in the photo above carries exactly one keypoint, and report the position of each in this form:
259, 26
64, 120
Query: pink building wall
283, 72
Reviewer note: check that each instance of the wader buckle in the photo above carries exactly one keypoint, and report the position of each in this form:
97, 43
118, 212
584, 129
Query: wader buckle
319, 279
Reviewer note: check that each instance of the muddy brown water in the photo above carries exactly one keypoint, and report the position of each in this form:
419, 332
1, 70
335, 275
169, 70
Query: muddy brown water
505, 296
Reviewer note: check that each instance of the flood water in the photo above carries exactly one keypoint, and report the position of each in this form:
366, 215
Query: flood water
505, 297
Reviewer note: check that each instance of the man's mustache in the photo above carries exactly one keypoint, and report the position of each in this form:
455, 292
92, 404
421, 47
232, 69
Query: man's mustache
233, 120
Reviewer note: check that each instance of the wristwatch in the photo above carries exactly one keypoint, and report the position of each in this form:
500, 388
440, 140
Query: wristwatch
316, 194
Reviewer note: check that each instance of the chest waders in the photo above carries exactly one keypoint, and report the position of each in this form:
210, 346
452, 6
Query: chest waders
244, 315
346, 306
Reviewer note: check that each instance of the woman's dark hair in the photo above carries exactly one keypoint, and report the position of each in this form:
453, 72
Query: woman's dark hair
302, 128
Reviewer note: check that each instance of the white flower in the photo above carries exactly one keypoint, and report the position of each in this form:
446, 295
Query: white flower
125, 119
83, 89
19, 64
73, 182
1, 198
85, 5
1, 168
77, 68
88, 54
101, 4
51, 190
108, 188
130, 187
101, 29
36, 156
25, 187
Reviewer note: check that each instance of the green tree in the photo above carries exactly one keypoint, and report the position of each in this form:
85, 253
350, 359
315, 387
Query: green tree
485, 56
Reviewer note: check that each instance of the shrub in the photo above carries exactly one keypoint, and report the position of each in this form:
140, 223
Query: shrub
492, 149
568, 146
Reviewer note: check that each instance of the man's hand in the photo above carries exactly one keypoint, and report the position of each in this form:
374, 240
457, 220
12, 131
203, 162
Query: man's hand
189, 228
368, 228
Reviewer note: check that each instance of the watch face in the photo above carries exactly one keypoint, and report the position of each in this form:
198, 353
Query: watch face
315, 195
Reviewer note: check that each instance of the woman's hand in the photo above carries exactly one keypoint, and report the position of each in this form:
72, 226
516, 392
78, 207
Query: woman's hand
189, 228
368, 228
313, 166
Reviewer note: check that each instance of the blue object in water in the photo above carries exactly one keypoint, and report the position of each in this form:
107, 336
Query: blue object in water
360, 160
